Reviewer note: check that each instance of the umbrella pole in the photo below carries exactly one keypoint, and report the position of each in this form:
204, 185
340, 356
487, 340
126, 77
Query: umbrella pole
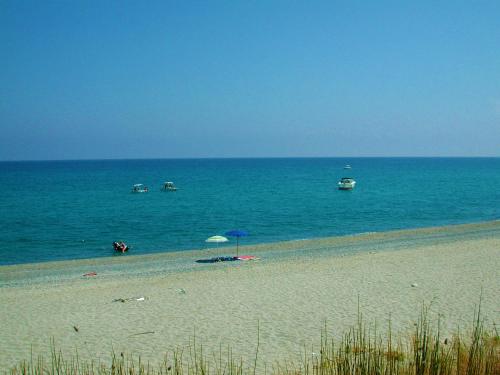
237, 245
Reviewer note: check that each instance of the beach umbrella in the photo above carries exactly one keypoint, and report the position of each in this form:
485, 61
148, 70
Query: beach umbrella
216, 239
237, 233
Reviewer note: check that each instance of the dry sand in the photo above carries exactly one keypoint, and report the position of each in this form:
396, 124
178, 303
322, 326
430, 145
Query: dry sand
291, 300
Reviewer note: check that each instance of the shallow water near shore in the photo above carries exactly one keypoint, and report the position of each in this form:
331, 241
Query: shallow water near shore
65, 210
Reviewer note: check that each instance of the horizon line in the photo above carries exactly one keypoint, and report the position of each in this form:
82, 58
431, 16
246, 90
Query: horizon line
256, 157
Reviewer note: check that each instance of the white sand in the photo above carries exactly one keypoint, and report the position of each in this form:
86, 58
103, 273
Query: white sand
222, 303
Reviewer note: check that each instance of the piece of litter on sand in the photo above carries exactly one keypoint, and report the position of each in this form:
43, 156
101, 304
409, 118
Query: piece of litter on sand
75, 328
129, 299
142, 333
181, 291
414, 285
90, 274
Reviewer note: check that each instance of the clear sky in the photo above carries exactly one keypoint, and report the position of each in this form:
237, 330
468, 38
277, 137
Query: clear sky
175, 79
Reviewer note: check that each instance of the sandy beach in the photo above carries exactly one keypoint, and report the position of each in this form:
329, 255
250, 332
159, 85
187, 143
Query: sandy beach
290, 298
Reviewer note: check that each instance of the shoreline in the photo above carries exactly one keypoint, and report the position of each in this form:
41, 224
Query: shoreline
144, 265
293, 291
289, 245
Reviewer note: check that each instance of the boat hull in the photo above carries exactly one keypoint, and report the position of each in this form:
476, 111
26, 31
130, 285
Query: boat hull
346, 184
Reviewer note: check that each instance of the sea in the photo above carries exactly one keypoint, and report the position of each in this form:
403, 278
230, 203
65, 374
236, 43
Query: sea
65, 210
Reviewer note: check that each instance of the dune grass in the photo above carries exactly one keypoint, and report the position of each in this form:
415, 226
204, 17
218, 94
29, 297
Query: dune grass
359, 351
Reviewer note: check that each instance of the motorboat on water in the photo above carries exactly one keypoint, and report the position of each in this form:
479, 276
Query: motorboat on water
139, 188
169, 186
347, 166
120, 246
346, 183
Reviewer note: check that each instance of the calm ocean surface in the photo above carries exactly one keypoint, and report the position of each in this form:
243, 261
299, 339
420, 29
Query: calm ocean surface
76, 209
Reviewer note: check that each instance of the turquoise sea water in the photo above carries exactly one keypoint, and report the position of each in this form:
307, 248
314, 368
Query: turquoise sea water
75, 209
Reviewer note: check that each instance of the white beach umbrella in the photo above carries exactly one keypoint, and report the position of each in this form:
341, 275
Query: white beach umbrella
216, 239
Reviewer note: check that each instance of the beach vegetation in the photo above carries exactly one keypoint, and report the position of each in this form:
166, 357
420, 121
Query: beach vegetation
359, 351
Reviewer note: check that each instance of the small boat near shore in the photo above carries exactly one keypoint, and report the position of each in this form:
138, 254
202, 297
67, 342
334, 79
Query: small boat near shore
120, 246
346, 183
168, 186
139, 188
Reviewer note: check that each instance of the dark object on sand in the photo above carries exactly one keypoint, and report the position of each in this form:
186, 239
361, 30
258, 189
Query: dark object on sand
76, 328
217, 260
227, 259
120, 246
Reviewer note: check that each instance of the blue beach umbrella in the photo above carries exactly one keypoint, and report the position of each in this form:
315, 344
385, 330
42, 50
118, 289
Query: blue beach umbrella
237, 233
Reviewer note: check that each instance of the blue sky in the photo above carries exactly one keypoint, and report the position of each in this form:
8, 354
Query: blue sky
175, 79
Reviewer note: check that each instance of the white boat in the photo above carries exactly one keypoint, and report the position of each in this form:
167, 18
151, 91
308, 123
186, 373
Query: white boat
347, 166
168, 186
346, 183
139, 188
